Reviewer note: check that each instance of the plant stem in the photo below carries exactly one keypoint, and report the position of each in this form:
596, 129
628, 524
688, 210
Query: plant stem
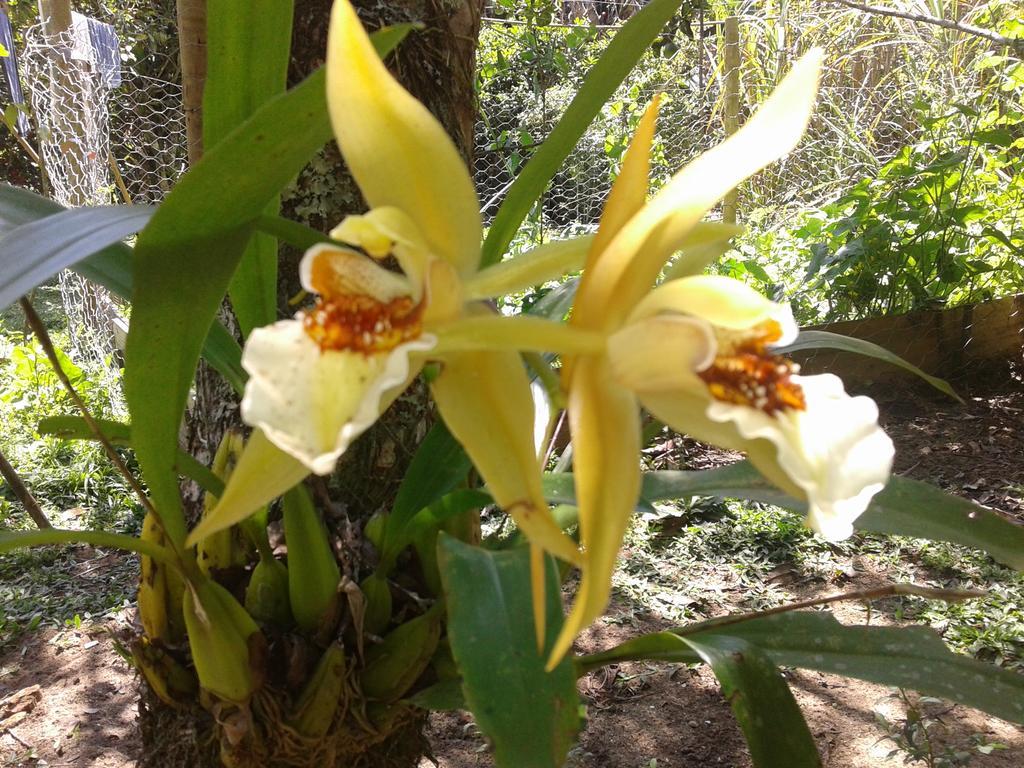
28, 501
890, 590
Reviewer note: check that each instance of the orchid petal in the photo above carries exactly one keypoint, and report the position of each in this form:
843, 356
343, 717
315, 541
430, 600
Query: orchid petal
329, 270
705, 244
686, 413
633, 259
534, 267
522, 333
626, 199
629, 192
605, 426
263, 473
313, 403
720, 301
397, 151
661, 353
485, 400
384, 232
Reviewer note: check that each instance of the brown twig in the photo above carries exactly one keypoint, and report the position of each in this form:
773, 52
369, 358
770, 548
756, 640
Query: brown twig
890, 590
1017, 43
36, 324
28, 501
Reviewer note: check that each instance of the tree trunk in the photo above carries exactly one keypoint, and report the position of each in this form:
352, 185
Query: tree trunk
437, 65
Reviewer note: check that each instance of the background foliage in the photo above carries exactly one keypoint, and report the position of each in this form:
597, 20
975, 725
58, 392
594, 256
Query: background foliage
905, 192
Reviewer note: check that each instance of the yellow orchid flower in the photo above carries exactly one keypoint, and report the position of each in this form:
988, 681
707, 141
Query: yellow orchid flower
319, 380
696, 351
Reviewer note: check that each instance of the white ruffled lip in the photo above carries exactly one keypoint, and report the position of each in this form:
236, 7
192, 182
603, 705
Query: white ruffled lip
834, 450
312, 404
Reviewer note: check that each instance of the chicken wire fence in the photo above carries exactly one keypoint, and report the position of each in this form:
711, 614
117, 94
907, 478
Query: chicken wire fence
105, 137
880, 72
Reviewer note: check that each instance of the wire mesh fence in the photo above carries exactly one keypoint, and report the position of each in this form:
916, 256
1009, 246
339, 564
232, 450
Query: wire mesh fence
105, 138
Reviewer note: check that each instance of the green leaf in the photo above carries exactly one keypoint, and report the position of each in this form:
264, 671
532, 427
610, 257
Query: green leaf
387, 38
11, 540
247, 64
425, 521
444, 696
911, 508
825, 339
37, 250
185, 259
292, 232
530, 716
656, 646
904, 657
119, 433
765, 709
904, 507
438, 466
111, 267
619, 58
19, 206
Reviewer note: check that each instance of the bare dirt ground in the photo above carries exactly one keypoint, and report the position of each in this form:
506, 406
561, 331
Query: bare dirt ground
639, 715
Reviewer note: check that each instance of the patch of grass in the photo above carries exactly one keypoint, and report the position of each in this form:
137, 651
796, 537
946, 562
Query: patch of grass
58, 586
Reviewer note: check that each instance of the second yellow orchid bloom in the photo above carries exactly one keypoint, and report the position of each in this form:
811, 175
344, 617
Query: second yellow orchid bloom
697, 353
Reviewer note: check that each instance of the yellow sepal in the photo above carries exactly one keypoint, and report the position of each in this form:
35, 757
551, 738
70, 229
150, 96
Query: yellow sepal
485, 400
629, 265
545, 262
263, 473
605, 424
397, 151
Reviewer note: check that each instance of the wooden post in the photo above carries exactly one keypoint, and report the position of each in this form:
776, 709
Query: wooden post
731, 111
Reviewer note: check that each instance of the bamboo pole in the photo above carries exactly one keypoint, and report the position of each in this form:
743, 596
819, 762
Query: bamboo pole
192, 53
731, 112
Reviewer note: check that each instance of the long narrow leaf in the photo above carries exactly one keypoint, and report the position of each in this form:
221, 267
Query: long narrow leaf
904, 507
438, 466
33, 252
615, 64
825, 339
119, 433
111, 268
772, 723
905, 657
530, 716
11, 540
427, 520
247, 65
